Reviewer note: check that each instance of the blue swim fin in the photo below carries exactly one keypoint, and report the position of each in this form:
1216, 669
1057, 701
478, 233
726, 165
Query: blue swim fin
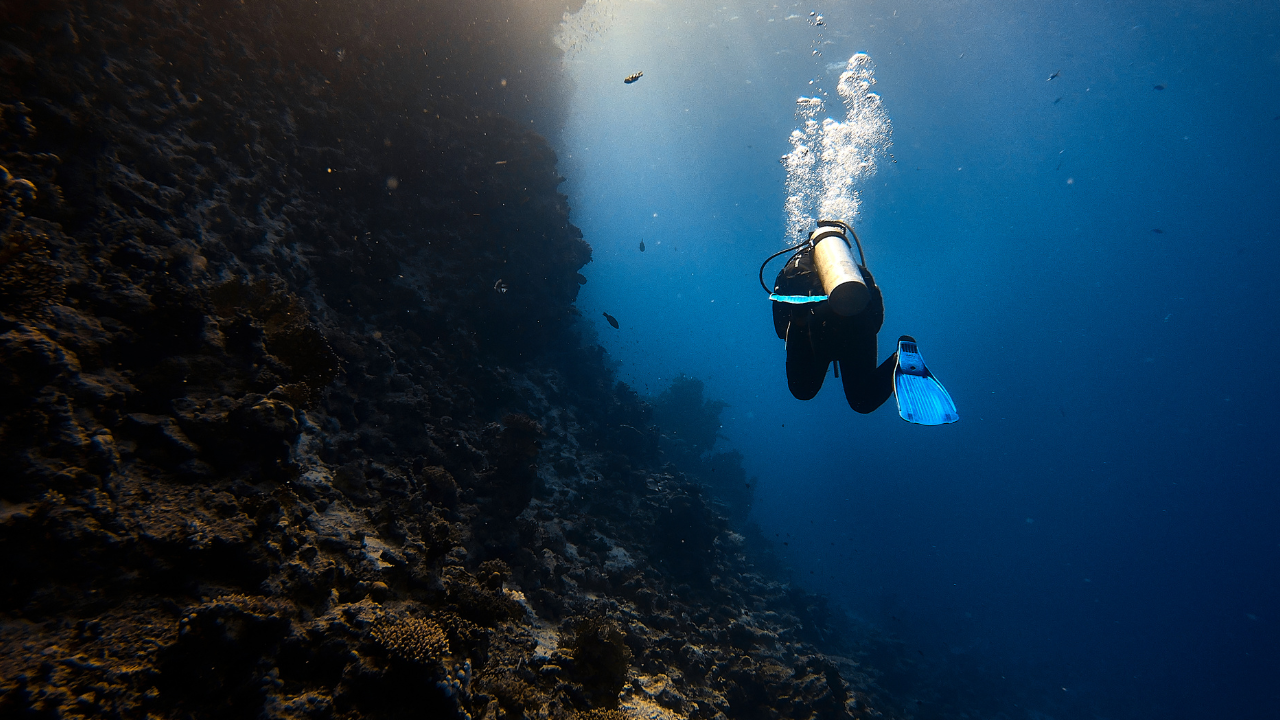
921, 398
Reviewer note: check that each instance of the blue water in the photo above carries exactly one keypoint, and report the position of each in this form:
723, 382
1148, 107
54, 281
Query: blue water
1089, 264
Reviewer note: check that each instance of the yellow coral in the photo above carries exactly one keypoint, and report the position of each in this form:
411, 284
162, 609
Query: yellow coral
410, 638
605, 714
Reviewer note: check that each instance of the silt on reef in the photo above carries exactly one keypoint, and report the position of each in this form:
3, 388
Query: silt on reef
274, 447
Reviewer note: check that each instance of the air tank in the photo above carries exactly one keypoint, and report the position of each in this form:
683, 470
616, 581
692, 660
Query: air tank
846, 291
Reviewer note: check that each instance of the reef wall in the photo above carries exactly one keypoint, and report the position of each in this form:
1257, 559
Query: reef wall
297, 420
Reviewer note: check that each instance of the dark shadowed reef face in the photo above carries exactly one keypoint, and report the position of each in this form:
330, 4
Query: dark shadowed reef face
492, 55
153, 106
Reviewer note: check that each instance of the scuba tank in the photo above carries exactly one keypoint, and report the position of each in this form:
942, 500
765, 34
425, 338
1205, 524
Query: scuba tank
846, 290
841, 280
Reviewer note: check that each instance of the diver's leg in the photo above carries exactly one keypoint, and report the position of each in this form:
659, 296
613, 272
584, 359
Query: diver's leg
805, 371
866, 386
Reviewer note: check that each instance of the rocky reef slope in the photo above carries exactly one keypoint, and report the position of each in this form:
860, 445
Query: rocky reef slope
297, 422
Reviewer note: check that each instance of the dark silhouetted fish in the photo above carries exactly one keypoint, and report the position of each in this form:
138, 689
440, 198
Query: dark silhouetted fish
612, 320
633, 77
1160, 87
1058, 100
641, 246
1157, 231
1056, 74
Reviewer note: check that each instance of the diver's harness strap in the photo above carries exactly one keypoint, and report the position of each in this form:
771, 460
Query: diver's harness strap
833, 227
797, 299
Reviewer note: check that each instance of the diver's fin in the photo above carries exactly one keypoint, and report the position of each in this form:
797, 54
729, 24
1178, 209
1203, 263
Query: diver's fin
921, 398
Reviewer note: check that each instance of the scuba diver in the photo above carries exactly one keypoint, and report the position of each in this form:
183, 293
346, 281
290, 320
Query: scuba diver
829, 309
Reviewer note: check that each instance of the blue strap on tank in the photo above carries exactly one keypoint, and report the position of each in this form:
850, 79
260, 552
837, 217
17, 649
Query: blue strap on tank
797, 299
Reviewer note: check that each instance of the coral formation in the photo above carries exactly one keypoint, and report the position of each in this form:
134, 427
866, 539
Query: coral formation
690, 427
409, 638
598, 659
29, 280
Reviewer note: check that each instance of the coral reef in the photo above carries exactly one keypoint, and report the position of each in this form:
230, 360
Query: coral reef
690, 427
413, 639
29, 280
598, 660
274, 445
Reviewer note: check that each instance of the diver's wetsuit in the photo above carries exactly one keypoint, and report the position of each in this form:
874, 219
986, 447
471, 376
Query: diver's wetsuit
816, 336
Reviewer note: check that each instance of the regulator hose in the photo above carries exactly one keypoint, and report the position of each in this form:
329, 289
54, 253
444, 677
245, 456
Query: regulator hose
766, 262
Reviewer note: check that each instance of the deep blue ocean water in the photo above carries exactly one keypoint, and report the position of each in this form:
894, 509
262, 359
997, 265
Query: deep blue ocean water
1089, 263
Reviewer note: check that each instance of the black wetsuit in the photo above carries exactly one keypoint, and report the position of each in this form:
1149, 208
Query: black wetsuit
816, 337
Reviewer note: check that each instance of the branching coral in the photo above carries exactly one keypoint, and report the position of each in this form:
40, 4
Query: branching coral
414, 639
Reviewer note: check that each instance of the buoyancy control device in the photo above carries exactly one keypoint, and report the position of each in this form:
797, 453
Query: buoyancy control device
842, 281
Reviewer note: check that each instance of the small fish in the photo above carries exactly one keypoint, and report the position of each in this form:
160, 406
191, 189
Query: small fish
1159, 87
1058, 100
641, 246
612, 320
1157, 231
500, 286
1056, 74
633, 77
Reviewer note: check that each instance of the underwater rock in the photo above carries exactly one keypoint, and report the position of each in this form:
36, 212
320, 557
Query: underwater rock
215, 655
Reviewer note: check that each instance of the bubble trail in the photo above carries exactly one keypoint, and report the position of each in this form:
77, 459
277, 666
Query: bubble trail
829, 158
